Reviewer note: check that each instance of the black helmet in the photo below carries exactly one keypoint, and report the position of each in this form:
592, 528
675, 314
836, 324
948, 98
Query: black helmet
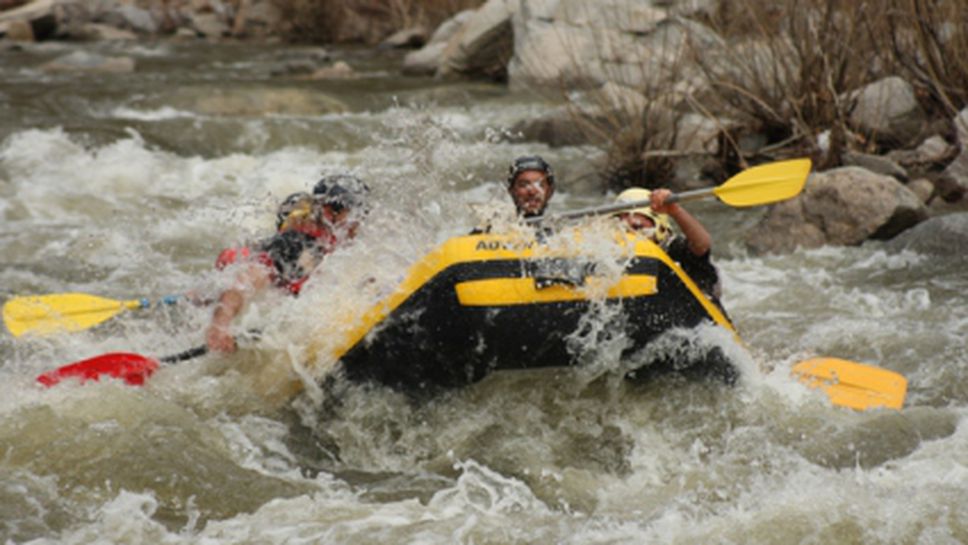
290, 203
341, 191
530, 162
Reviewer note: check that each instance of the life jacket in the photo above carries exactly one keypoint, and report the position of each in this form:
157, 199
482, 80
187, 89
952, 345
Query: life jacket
229, 256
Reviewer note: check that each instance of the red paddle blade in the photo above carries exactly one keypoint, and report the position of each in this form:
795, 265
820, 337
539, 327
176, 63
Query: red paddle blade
132, 368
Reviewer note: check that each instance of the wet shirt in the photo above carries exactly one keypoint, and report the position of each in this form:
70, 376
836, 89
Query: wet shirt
698, 267
291, 256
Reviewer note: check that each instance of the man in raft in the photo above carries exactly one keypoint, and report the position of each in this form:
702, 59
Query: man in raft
692, 250
291, 203
314, 227
531, 183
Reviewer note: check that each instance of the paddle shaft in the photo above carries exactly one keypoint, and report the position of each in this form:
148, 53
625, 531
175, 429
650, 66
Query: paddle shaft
186, 355
693, 195
763, 184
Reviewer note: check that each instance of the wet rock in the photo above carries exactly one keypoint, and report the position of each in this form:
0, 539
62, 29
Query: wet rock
428, 59
250, 102
98, 32
934, 150
483, 45
339, 70
133, 18
19, 31
41, 16
406, 38
844, 206
943, 235
875, 163
301, 62
560, 127
953, 184
888, 111
923, 188
81, 61
256, 18
549, 52
424, 61
209, 25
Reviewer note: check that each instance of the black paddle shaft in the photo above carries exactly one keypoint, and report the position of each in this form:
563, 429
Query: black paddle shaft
191, 353
186, 355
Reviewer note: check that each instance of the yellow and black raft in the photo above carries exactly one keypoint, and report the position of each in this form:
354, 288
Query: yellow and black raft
481, 303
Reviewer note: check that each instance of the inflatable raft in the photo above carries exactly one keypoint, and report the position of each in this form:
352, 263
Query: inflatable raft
481, 303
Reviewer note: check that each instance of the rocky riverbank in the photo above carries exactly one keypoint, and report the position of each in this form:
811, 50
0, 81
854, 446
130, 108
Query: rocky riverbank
666, 91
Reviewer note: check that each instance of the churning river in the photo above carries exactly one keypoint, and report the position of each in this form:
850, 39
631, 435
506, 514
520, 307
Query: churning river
128, 186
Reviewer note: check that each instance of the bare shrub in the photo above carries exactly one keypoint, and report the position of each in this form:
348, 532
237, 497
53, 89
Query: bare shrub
636, 107
929, 41
366, 21
787, 67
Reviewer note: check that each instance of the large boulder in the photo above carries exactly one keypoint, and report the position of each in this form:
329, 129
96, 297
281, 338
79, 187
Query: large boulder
888, 110
427, 60
483, 45
953, 184
943, 235
844, 207
42, 16
639, 51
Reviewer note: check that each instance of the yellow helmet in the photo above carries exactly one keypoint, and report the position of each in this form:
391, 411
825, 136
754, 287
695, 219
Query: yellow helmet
297, 209
663, 227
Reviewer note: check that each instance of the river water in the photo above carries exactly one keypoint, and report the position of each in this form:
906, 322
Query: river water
127, 186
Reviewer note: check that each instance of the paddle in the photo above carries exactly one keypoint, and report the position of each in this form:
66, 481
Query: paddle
42, 314
759, 185
851, 384
130, 367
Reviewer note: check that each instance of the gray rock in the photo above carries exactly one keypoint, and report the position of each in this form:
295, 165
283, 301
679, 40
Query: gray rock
559, 127
483, 45
943, 235
81, 61
210, 25
888, 110
99, 32
953, 184
844, 207
876, 163
553, 53
424, 61
923, 188
240, 101
406, 38
451, 26
18, 31
134, 18
933, 150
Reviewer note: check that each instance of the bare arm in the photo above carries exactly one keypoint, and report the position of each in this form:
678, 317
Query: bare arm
231, 302
696, 234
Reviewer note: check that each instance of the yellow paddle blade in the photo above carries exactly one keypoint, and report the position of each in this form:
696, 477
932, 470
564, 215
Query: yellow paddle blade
765, 184
43, 314
851, 384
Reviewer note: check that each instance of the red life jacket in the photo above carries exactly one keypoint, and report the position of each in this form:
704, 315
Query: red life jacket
324, 238
229, 256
